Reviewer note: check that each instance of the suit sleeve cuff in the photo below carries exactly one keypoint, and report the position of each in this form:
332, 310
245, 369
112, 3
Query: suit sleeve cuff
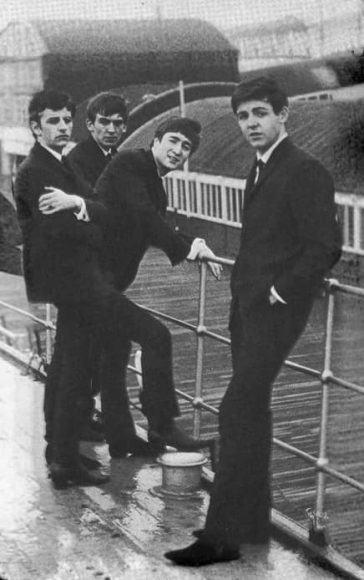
275, 295
82, 214
196, 246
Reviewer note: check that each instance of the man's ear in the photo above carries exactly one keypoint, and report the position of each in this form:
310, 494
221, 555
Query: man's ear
90, 125
283, 114
35, 128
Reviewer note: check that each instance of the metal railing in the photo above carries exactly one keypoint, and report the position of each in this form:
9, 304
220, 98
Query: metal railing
219, 199
326, 377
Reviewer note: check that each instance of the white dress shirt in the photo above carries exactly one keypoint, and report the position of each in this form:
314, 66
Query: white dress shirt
274, 296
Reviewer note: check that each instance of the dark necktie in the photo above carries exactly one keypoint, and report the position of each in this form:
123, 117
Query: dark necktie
259, 167
66, 164
110, 155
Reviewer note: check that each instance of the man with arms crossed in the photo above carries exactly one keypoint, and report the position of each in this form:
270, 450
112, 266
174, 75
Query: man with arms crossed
289, 241
60, 261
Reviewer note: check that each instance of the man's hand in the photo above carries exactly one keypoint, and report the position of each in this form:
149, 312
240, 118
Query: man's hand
206, 254
55, 200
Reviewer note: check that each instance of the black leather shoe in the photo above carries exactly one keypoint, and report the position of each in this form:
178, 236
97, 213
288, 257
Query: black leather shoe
175, 437
84, 459
201, 554
89, 433
88, 462
254, 537
137, 447
97, 422
62, 476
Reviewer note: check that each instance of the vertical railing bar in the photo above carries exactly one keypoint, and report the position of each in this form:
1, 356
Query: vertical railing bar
187, 194
48, 335
356, 228
200, 349
319, 519
198, 196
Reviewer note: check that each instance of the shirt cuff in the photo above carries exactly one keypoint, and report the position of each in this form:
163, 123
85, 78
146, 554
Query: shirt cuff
196, 246
82, 214
275, 295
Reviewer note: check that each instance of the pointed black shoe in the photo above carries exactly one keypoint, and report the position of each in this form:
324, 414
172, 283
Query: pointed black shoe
202, 554
88, 462
136, 447
62, 476
175, 437
256, 537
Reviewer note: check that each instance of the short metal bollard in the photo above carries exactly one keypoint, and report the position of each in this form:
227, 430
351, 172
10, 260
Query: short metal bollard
181, 475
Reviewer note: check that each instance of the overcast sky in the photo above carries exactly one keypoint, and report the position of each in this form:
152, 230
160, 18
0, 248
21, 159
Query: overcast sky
223, 13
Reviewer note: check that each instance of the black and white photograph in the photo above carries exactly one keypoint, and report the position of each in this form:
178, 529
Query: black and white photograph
182, 290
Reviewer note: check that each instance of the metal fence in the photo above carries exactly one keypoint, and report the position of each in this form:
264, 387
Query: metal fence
325, 376
219, 199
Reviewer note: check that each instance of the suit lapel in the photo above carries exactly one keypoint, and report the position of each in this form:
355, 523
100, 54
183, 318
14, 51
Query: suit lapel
253, 188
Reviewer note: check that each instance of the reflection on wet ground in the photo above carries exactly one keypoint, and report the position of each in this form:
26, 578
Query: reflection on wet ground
116, 532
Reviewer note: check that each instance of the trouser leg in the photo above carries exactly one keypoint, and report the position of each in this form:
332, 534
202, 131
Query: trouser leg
158, 397
129, 322
51, 386
118, 421
73, 329
240, 500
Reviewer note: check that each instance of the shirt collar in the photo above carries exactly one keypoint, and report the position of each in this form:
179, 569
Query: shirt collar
105, 152
267, 154
55, 154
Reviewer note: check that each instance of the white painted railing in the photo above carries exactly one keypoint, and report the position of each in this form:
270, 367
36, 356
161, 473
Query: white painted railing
219, 199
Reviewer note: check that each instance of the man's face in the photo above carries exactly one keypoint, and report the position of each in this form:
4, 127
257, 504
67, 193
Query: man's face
260, 125
171, 151
108, 130
54, 128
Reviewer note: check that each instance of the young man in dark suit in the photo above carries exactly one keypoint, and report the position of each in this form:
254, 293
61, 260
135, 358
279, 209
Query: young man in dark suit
60, 261
116, 316
106, 117
289, 241
131, 188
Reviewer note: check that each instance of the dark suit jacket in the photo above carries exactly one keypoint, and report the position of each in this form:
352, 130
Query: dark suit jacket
60, 253
136, 201
88, 160
290, 236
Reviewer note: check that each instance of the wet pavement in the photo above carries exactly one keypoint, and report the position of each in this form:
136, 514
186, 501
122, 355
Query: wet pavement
115, 532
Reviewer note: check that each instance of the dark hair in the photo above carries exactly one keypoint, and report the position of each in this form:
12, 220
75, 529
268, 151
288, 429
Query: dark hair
49, 99
190, 128
262, 88
106, 103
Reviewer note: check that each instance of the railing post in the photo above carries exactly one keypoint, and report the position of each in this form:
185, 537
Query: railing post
223, 200
200, 330
318, 533
48, 335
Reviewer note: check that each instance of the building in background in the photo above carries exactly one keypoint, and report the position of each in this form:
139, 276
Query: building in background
271, 43
83, 57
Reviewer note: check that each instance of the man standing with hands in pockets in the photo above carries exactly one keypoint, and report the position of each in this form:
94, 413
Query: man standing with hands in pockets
289, 241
